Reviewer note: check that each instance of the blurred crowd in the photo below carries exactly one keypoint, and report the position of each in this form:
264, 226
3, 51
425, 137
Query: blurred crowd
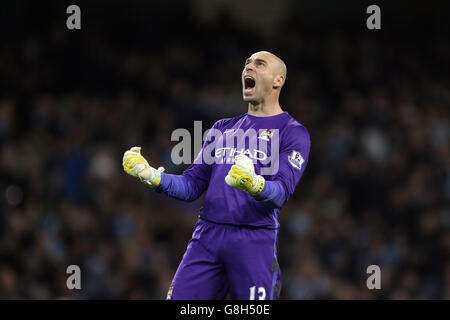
375, 192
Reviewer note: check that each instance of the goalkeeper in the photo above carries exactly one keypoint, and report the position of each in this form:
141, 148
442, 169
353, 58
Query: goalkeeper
233, 249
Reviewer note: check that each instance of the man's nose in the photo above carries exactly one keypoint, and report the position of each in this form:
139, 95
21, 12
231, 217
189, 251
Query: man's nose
249, 67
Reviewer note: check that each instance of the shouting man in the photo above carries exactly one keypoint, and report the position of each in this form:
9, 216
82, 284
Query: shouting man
233, 249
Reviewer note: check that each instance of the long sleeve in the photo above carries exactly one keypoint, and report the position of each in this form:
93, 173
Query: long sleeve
292, 163
273, 194
195, 180
182, 187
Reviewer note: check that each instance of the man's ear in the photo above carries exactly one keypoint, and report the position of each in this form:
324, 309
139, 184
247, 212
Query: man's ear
278, 81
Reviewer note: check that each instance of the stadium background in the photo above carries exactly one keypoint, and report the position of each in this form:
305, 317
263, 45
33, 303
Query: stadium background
376, 189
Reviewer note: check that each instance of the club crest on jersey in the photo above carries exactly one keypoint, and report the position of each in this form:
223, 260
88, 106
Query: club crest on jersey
266, 135
296, 160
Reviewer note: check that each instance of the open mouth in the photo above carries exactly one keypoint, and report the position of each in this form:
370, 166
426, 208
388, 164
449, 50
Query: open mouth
249, 85
249, 82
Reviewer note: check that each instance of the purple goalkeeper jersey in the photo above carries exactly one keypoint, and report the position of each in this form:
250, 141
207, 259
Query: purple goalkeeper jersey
279, 148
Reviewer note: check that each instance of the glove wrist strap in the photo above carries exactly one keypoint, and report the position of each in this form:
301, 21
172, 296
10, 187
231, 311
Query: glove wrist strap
258, 187
156, 179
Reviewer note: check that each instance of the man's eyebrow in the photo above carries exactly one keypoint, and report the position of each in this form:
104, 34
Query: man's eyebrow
257, 60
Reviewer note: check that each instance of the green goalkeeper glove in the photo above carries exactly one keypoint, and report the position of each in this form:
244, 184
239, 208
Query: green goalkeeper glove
242, 176
135, 165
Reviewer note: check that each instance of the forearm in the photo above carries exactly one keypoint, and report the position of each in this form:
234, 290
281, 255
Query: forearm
179, 186
273, 194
